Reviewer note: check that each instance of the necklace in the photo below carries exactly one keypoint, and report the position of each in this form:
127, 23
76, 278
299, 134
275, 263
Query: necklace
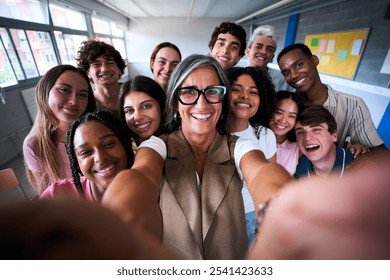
342, 169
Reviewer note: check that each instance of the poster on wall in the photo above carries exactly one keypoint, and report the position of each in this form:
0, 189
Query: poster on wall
339, 52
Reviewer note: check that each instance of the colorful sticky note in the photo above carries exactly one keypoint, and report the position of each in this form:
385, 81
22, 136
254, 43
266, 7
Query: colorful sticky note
321, 48
314, 42
357, 45
330, 48
342, 55
325, 59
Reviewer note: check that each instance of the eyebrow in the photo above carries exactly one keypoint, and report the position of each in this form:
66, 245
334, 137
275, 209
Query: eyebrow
100, 138
241, 85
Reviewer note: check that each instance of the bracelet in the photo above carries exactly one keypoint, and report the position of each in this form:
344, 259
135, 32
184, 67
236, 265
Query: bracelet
263, 207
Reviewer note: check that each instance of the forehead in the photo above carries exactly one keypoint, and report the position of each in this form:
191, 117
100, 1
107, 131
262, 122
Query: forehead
72, 77
137, 96
245, 79
202, 77
168, 53
264, 40
311, 126
227, 37
90, 130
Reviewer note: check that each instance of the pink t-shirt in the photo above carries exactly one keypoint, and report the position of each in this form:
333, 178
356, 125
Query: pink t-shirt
66, 187
287, 155
34, 162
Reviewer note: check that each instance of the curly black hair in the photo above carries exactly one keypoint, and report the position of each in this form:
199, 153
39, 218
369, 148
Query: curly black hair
109, 120
266, 92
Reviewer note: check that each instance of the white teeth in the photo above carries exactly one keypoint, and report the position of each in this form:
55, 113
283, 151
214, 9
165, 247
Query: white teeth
300, 81
143, 125
106, 169
201, 116
223, 58
243, 105
311, 146
281, 126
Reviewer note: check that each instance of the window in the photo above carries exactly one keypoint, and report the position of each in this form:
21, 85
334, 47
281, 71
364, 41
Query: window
64, 17
68, 45
30, 45
27, 10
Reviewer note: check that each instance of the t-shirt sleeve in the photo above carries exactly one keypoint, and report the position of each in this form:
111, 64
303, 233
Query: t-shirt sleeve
156, 144
32, 160
242, 147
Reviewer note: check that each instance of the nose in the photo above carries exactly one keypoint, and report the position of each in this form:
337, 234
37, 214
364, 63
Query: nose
294, 74
137, 115
244, 94
202, 102
73, 98
100, 156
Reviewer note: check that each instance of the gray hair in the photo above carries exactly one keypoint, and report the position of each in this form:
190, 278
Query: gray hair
181, 72
264, 30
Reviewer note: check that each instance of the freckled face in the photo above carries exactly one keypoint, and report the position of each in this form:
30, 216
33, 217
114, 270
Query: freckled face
99, 153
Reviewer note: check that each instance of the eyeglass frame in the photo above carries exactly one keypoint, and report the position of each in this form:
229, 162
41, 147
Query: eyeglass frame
200, 91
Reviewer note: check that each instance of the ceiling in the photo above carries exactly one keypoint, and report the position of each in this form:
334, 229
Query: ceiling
238, 10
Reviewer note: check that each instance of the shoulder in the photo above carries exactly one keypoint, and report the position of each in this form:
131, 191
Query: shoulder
301, 167
64, 187
343, 95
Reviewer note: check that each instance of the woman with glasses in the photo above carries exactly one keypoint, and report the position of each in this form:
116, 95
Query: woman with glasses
202, 212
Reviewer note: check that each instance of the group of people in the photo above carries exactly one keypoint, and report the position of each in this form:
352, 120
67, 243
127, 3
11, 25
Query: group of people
194, 157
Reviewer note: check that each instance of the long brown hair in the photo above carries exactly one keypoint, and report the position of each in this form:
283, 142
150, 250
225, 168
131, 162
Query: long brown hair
46, 123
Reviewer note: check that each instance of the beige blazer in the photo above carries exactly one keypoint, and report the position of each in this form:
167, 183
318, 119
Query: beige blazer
206, 223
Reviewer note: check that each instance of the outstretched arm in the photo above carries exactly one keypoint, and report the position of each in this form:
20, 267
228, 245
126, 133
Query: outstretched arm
134, 192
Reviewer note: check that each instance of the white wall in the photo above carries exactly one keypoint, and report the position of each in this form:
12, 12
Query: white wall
190, 37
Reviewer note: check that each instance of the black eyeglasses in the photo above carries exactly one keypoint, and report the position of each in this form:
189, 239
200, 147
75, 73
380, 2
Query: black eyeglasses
190, 95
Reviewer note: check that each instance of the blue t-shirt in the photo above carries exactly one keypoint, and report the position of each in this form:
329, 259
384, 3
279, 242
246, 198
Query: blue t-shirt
305, 166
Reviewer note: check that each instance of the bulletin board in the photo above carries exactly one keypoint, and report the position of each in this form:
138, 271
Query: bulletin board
339, 52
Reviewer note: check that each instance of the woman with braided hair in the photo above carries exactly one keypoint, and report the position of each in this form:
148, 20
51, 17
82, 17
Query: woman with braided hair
99, 148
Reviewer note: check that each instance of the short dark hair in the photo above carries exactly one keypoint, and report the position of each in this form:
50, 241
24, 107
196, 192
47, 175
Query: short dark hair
266, 93
90, 50
151, 88
161, 46
305, 49
232, 28
113, 123
317, 114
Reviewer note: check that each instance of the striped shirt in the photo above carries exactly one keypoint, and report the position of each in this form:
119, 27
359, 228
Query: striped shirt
353, 119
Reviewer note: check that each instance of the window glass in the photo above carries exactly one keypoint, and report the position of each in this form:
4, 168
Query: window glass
118, 32
104, 39
68, 45
9, 55
24, 52
27, 10
7, 75
119, 44
42, 49
100, 26
67, 18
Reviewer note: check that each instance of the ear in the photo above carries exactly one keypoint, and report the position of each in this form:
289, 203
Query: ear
315, 60
211, 49
151, 65
334, 137
247, 51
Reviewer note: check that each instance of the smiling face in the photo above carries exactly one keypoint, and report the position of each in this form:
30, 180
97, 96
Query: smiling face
226, 50
284, 118
200, 119
142, 113
104, 71
245, 99
261, 52
163, 65
315, 141
299, 70
68, 98
99, 152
